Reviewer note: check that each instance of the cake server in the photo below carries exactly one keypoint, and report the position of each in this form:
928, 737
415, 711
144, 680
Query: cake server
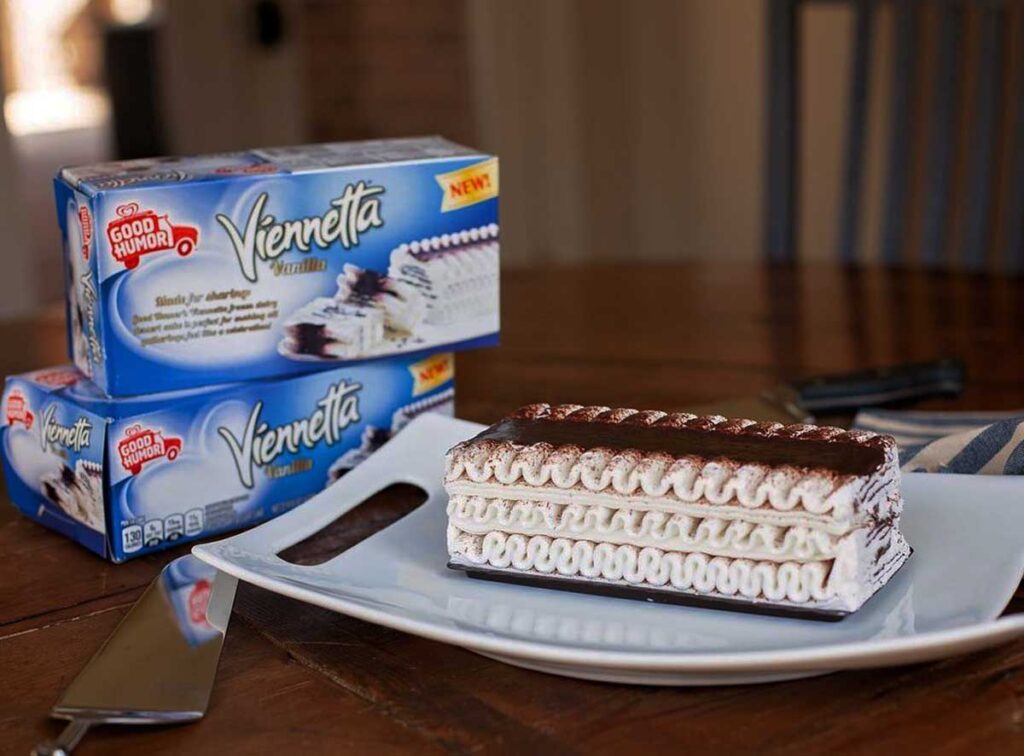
796, 402
159, 664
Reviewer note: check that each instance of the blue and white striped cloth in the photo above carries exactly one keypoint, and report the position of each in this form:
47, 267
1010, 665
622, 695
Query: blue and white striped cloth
952, 442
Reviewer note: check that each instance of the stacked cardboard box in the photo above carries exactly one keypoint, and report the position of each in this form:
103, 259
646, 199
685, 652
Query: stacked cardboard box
245, 328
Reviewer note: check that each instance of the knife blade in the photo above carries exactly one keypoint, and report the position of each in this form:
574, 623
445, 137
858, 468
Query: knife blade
797, 402
159, 664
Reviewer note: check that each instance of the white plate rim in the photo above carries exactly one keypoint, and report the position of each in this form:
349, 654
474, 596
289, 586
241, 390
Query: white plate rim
829, 657
835, 656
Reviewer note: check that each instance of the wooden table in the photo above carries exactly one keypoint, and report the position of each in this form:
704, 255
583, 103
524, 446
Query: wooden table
293, 676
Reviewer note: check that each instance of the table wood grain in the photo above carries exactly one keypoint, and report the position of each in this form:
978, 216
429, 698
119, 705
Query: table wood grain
296, 677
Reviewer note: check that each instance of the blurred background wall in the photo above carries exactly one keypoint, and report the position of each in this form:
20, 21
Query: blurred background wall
17, 261
628, 131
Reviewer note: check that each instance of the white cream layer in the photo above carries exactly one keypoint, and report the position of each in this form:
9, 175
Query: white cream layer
509, 466
843, 583
672, 531
699, 508
460, 281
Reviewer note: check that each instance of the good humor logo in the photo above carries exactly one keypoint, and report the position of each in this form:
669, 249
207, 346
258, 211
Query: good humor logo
141, 445
263, 237
260, 444
85, 222
18, 410
74, 437
137, 231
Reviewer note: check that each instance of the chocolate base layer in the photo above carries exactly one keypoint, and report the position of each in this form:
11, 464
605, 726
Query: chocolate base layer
653, 595
310, 338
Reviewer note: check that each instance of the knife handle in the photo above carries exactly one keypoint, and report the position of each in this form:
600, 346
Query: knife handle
69, 737
882, 386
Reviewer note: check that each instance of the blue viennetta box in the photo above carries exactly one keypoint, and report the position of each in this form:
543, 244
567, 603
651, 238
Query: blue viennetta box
127, 476
185, 272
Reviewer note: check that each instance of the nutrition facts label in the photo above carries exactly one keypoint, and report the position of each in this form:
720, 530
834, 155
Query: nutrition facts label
131, 539
153, 532
174, 527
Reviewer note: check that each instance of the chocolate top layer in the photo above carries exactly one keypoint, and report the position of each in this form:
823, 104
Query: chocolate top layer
367, 284
713, 438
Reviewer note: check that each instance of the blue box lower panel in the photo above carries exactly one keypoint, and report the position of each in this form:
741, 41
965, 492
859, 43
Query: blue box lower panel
125, 477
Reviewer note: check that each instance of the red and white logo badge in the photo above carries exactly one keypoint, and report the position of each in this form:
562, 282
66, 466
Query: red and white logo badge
57, 377
141, 445
246, 170
199, 602
136, 232
18, 411
85, 221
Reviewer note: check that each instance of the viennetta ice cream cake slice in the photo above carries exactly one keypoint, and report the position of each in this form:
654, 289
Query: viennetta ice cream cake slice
78, 492
797, 520
330, 329
457, 273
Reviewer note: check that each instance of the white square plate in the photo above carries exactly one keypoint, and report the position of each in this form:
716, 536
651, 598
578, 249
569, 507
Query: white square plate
967, 532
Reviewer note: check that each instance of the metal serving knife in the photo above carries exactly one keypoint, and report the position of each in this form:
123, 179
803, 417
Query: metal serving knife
797, 402
159, 664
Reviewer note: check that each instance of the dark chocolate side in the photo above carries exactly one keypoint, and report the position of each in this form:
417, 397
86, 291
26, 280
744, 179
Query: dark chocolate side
50, 491
654, 595
367, 286
843, 457
310, 338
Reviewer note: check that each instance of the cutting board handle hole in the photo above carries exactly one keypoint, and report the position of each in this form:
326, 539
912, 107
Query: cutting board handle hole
384, 508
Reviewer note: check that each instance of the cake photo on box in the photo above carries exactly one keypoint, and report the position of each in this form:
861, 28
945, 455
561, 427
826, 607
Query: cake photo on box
797, 520
399, 304
370, 441
433, 287
442, 403
457, 274
331, 329
78, 492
